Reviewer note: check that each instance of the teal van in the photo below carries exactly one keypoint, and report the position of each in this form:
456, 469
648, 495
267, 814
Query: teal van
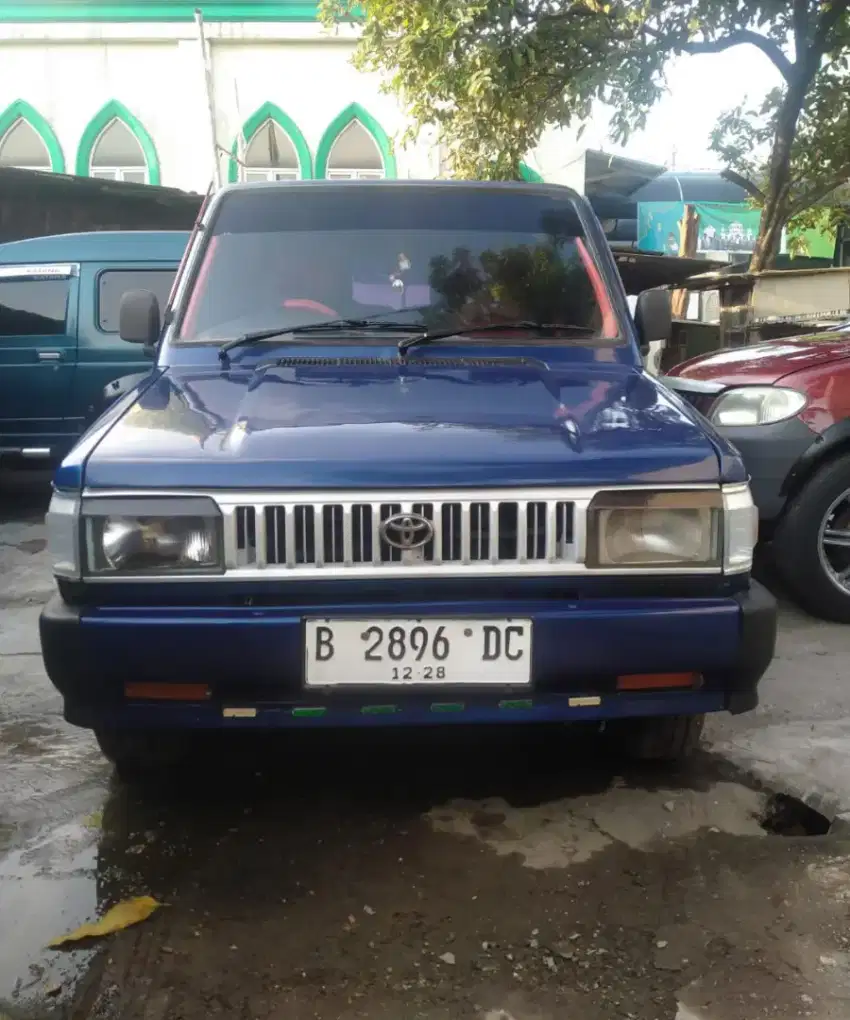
59, 343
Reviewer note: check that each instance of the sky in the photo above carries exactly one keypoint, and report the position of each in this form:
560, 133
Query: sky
700, 89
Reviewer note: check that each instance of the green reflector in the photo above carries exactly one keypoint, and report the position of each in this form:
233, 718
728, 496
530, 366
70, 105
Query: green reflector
447, 706
307, 712
522, 703
378, 709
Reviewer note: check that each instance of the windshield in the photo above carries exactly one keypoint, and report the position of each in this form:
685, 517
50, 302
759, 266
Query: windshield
438, 258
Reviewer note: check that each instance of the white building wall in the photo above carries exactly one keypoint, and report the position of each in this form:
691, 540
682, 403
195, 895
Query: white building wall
69, 71
311, 81
69, 83
190, 135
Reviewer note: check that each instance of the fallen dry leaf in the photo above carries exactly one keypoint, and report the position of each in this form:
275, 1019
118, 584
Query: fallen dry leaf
122, 915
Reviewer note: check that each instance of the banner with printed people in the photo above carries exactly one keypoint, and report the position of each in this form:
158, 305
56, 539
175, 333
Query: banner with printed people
726, 231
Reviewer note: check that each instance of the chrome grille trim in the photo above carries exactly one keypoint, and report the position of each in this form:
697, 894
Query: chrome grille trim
341, 533
263, 526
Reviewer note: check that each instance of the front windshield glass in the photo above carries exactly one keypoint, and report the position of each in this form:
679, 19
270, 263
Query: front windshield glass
437, 258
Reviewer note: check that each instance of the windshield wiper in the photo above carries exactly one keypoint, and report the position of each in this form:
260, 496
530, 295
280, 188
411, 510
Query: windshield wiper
332, 325
395, 326
493, 327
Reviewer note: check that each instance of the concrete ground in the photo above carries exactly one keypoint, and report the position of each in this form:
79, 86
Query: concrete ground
798, 739
501, 876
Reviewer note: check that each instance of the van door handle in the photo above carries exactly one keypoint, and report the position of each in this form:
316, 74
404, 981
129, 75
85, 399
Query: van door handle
49, 355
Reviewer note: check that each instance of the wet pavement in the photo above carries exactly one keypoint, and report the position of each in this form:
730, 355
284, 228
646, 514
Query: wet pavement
490, 875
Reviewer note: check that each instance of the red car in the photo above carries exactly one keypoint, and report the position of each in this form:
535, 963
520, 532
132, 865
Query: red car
786, 405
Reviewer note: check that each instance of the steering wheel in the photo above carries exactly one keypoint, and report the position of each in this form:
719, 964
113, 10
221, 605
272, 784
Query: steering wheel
311, 306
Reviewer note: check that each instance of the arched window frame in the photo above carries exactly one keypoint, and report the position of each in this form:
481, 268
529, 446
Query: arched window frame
21, 110
272, 112
113, 110
345, 117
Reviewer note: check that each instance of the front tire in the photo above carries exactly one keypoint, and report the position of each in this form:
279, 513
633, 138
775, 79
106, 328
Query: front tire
139, 755
663, 738
811, 546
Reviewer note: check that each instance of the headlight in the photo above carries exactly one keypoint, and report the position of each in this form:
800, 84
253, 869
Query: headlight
678, 530
655, 529
159, 535
757, 405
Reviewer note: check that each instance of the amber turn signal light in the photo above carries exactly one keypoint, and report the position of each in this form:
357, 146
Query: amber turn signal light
656, 681
167, 692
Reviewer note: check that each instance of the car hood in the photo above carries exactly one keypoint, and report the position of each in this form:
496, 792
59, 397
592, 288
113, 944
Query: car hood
343, 423
765, 363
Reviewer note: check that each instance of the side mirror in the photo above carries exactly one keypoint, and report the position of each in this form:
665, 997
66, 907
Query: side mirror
654, 318
139, 320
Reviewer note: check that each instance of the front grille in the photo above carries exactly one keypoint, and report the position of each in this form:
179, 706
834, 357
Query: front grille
351, 534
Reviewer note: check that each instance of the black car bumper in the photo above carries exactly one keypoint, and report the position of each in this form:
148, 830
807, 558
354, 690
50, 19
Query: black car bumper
769, 453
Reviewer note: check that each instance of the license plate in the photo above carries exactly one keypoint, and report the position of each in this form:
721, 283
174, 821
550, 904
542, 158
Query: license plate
343, 653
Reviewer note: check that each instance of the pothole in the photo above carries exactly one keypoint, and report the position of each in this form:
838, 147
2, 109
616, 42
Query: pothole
785, 815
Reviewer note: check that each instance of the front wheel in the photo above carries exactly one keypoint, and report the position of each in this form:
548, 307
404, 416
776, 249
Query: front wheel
811, 547
139, 754
663, 738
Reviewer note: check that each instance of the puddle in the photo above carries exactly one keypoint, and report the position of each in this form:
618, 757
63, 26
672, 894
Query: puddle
46, 888
43, 758
55, 877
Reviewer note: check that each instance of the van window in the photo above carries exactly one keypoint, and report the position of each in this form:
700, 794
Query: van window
33, 307
114, 283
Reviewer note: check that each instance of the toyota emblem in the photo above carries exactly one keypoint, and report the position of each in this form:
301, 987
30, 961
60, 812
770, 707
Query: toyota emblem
407, 531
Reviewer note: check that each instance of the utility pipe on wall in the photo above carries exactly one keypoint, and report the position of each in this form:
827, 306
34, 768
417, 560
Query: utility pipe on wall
208, 88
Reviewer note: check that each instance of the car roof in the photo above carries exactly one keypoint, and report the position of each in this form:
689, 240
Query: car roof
98, 246
424, 185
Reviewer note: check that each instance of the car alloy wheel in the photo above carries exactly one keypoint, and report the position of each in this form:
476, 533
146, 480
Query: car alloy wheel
834, 542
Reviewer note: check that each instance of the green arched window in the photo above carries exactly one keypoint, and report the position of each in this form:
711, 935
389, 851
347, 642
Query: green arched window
274, 149
355, 147
116, 146
27, 141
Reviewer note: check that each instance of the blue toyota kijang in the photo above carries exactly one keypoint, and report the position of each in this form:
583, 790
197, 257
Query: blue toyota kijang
398, 463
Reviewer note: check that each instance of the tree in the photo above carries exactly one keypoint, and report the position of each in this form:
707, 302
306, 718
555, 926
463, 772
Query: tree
819, 165
492, 74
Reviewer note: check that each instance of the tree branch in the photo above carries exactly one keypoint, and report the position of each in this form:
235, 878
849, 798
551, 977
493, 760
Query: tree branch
745, 37
829, 19
817, 195
743, 182
801, 27
525, 13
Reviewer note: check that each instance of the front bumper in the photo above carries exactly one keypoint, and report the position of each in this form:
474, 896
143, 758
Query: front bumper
251, 658
769, 453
